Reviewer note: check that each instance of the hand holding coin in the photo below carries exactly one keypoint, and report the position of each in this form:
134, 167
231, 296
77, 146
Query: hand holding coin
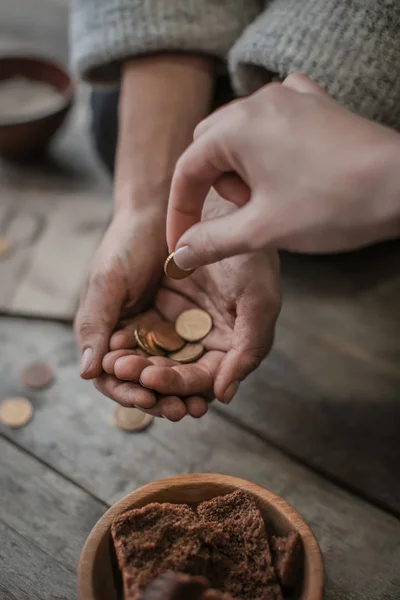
218, 317
240, 298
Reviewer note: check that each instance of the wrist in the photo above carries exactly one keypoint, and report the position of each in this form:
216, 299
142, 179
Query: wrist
130, 223
163, 97
141, 210
143, 195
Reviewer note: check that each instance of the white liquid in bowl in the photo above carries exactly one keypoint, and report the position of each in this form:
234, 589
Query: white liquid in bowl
23, 99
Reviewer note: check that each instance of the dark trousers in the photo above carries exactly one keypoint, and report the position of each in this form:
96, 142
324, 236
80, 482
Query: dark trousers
104, 105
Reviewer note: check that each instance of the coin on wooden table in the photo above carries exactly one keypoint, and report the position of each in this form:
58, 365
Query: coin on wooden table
37, 375
131, 419
188, 353
172, 270
16, 412
165, 335
5, 245
154, 350
194, 324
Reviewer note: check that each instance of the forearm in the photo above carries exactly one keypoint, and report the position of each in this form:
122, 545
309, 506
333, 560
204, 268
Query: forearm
163, 97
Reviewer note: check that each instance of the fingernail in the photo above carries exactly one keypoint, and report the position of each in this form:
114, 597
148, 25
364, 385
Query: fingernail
231, 391
142, 384
86, 360
186, 259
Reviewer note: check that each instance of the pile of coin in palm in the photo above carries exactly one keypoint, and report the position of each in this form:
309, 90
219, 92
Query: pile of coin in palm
180, 341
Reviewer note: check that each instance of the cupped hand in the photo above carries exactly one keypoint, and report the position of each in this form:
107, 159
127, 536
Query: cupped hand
124, 285
306, 174
241, 294
122, 279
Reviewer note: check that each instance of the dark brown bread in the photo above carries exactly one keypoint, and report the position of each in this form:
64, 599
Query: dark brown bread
158, 538
243, 556
287, 553
162, 549
176, 586
212, 594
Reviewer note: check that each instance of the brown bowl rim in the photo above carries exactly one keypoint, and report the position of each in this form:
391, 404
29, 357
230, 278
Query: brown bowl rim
68, 93
314, 565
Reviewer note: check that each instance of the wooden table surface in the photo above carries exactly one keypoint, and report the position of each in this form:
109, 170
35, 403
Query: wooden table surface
317, 423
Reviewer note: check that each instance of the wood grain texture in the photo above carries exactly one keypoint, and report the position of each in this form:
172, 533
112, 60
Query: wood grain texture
96, 579
73, 432
28, 573
328, 394
44, 520
329, 391
43, 507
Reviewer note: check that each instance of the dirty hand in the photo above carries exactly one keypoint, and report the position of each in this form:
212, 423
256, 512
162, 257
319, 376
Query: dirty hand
162, 99
241, 294
122, 280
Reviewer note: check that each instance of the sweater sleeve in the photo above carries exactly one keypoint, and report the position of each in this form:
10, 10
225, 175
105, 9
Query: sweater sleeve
349, 47
104, 32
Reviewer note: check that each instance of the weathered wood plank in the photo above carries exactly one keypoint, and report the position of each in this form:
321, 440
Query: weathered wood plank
73, 431
28, 573
44, 508
330, 410
349, 302
329, 391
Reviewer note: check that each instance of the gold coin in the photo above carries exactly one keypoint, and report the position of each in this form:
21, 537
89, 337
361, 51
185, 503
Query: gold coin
164, 335
153, 348
16, 412
193, 325
131, 419
141, 338
5, 245
188, 353
172, 270
37, 375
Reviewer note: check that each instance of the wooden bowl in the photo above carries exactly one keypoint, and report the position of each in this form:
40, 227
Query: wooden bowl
98, 575
26, 138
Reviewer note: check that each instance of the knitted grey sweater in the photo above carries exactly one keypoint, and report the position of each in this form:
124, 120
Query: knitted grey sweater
349, 47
